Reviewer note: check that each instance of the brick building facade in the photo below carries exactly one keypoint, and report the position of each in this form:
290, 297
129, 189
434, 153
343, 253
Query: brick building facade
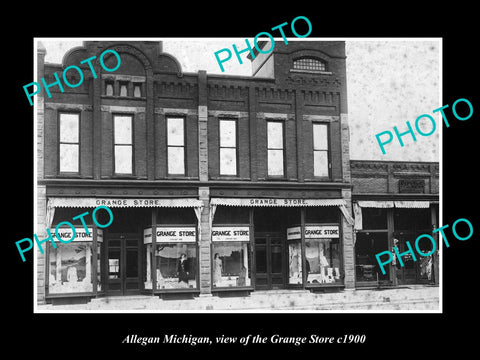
216, 183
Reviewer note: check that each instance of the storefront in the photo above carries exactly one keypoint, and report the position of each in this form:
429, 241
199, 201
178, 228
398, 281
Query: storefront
265, 244
151, 247
382, 224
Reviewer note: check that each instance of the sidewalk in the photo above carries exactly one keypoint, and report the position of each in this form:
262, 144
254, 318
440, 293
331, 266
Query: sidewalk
413, 298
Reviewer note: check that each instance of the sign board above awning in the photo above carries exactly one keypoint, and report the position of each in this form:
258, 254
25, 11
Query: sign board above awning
276, 202
118, 202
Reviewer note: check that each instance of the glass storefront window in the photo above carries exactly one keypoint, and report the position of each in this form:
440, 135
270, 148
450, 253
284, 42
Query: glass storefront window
231, 264
71, 268
412, 219
367, 245
322, 261
295, 262
176, 265
374, 218
147, 272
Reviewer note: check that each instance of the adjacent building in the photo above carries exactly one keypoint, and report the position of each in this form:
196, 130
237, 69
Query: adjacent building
217, 184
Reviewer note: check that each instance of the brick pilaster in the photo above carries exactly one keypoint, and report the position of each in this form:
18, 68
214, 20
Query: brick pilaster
204, 243
41, 189
348, 244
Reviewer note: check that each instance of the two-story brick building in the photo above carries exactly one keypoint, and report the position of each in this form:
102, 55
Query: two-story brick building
216, 183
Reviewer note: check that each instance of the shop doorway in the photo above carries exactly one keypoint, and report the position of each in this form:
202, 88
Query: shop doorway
414, 272
269, 261
122, 264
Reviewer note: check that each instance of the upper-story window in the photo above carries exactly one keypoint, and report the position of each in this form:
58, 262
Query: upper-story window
228, 147
176, 145
275, 152
123, 89
69, 124
309, 64
137, 90
123, 144
320, 150
109, 88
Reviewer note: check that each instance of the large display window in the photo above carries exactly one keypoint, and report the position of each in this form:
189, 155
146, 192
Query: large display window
71, 264
321, 252
322, 261
174, 255
367, 245
231, 265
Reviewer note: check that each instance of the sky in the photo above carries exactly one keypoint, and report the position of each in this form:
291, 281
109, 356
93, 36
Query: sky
389, 82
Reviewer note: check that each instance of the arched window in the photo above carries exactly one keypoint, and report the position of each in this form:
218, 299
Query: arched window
309, 64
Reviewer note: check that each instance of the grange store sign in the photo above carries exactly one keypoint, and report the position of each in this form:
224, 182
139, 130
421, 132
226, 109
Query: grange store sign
314, 232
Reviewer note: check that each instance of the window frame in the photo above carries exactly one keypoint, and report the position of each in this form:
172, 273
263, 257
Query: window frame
59, 142
107, 83
283, 176
305, 67
220, 147
328, 151
183, 118
140, 85
131, 115
120, 84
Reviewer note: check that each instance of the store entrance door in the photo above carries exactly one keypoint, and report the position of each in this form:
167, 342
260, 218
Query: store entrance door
269, 261
414, 272
123, 259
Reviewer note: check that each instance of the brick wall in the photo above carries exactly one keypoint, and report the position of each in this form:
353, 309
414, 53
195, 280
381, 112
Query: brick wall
382, 177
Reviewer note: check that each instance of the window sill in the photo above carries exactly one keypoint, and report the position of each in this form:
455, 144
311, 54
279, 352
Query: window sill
316, 72
113, 97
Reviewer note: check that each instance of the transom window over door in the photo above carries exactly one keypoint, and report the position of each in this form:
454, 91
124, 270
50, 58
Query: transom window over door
123, 144
275, 154
176, 145
69, 142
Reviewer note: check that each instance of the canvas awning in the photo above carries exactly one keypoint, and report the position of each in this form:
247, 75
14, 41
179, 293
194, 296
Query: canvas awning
384, 204
274, 202
123, 202
412, 204
62, 202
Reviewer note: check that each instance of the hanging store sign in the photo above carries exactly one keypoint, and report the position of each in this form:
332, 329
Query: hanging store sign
314, 232
171, 234
230, 233
81, 234
294, 233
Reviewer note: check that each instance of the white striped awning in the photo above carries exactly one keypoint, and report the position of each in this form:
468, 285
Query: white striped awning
410, 204
123, 202
376, 204
253, 202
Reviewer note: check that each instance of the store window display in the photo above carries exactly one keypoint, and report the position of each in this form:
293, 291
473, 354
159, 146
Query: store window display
71, 263
176, 265
71, 268
322, 261
174, 256
148, 254
231, 264
366, 246
295, 262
